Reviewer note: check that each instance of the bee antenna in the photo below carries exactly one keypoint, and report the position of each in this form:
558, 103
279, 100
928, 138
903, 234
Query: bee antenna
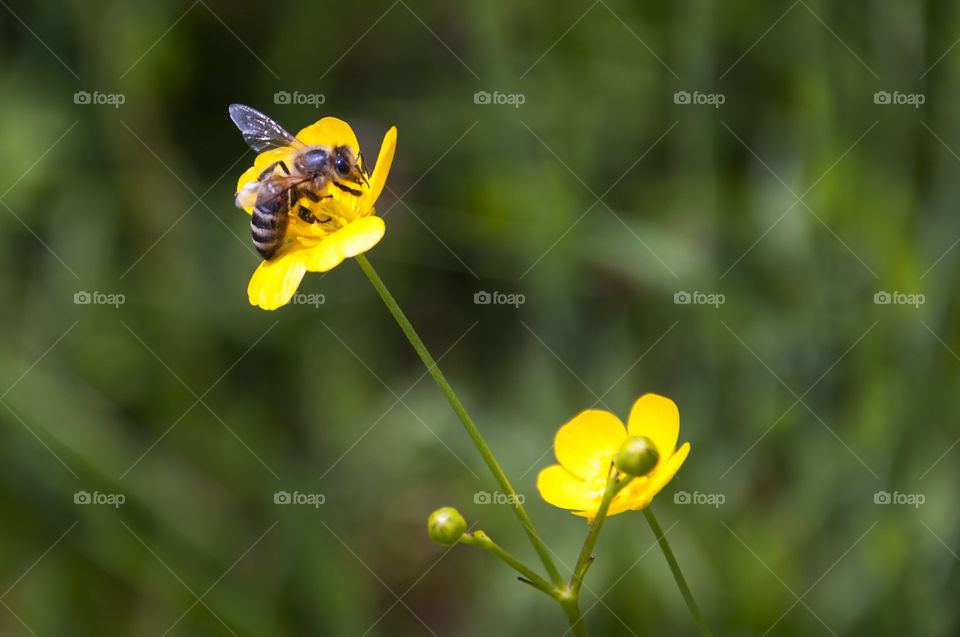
364, 170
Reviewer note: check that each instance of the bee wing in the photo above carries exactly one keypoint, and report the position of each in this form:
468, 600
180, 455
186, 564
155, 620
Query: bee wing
259, 131
274, 187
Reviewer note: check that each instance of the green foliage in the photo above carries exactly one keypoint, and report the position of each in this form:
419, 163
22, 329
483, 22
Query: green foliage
801, 397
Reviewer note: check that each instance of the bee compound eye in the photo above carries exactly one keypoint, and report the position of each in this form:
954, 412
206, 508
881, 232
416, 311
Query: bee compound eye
342, 165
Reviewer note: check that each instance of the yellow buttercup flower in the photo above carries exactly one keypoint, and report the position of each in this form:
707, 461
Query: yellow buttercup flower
586, 446
350, 226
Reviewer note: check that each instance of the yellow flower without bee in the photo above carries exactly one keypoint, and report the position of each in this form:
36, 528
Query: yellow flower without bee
586, 446
349, 225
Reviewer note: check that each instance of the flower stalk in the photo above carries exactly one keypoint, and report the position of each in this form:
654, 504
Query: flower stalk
462, 414
593, 449
481, 539
585, 560
677, 573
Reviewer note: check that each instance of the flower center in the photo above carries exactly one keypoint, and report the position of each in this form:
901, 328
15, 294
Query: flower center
596, 486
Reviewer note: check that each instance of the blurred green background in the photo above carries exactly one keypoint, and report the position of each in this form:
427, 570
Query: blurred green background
600, 198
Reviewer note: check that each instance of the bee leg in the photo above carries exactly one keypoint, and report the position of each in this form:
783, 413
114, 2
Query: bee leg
306, 215
352, 191
309, 194
266, 172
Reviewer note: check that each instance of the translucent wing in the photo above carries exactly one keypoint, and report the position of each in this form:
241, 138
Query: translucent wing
259, 131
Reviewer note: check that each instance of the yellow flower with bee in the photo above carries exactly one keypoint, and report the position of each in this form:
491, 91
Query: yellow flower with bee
587, 446
310, 198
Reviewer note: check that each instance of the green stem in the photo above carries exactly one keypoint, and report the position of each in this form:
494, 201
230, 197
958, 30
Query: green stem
677, 574
471, 428
585, 559
571, 608
481, 539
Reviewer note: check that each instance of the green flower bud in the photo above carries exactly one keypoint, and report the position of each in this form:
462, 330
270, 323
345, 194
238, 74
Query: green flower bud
446, 526
637, 456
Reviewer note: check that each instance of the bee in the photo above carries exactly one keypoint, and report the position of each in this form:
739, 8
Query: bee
306, 173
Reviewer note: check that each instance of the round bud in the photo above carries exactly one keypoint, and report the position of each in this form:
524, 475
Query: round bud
446, 526
637, 456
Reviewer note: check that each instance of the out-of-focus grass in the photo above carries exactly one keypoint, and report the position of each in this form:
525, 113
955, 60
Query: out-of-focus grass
801, 397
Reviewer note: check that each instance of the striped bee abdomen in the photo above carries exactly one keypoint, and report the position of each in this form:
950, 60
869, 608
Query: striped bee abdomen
268, 224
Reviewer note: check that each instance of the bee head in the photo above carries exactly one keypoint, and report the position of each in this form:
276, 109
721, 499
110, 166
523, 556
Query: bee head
346, 165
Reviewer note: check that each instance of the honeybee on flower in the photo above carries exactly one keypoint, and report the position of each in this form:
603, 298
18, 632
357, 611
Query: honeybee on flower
310, 198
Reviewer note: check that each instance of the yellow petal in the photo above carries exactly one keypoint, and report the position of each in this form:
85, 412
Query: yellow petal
664, 474
251, 174
355, 207
658, 419
330, 131
384, 160
562, 489
585, 446
634, 503
620, 504
274, 282
640, 492
349, 241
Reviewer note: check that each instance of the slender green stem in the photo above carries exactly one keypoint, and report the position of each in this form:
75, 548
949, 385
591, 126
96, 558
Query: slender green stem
481, 539
585, 559
677, 574
471, 428
571, 608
